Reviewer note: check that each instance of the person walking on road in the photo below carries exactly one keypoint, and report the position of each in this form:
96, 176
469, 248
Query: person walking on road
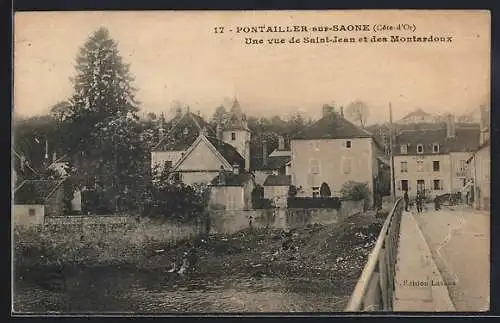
407, 201
419, 202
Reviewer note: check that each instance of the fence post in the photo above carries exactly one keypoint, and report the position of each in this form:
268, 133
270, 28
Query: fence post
371, 301
382, 268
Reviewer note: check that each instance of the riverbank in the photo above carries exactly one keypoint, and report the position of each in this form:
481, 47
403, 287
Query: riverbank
317, 261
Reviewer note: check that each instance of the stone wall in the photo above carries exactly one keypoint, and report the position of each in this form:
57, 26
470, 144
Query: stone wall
96, 239
224, 221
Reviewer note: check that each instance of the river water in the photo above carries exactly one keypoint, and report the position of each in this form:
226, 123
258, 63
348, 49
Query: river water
130, 290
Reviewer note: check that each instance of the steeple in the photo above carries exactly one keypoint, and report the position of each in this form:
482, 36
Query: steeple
236, 120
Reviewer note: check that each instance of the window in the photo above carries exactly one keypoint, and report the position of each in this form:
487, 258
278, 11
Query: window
233, 136
421, 185
435, 148
314, 166
420, 149
315, 145
346, 165
31, 211
420, 165
435, 165
462, 166
437, 185
348, 144
404, 167
315, 191
404, 149
404, 185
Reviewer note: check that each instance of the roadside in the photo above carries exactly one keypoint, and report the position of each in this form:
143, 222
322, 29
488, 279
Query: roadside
459, 239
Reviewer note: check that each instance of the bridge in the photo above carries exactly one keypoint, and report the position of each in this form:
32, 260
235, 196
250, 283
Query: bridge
435, 261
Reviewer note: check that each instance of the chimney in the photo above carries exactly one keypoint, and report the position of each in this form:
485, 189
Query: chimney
281, 143
218, 131
327, 110
236, 169
450, 126
264, 153
342, 112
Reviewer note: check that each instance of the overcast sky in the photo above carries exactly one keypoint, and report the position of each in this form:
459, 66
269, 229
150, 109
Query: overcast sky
175, 56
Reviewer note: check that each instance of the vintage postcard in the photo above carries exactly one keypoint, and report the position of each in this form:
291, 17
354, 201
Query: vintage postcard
171, 162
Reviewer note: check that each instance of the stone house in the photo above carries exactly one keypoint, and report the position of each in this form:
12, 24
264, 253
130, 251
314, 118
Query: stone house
480, 165
232, 190
36, 199
277, 162
195, 152
333, 151
433, 159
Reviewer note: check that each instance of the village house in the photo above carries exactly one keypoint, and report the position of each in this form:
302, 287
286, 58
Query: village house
480, 165
275, 163
433, 158
334, 151
417, 116
36, 199
232, 190
195, 153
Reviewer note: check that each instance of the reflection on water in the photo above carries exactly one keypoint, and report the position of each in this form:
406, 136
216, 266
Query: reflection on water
113, 289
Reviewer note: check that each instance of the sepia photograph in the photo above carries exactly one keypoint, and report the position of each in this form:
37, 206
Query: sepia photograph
168, 162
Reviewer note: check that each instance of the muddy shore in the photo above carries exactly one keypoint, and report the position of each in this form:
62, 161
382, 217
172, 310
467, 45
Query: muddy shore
314, 260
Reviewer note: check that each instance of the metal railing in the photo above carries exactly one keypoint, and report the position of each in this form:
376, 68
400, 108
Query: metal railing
375, 288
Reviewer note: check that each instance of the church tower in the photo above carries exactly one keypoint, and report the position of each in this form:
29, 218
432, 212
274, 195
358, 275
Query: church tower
236, 132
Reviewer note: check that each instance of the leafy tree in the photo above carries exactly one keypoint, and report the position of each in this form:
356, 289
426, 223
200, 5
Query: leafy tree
173, 200
355, 191
99, 128
324, 190
358, 111
102, 89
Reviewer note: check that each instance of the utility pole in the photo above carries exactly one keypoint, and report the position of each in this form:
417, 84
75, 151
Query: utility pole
391, 133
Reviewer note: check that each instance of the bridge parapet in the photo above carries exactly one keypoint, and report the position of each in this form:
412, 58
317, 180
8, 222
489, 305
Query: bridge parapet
376, 285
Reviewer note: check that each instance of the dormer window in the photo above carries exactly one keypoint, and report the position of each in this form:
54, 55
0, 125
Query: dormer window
435, 148
420, 149
404, 149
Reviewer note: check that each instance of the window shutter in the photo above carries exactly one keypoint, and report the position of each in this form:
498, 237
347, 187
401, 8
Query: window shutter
441, 184
399, 185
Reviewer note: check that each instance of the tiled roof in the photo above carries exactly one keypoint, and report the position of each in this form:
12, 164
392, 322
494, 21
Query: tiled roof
273, 163
332, 126
228, 152
183, 131
231, 179
278, 180
35, 191
417, 113
466, 139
